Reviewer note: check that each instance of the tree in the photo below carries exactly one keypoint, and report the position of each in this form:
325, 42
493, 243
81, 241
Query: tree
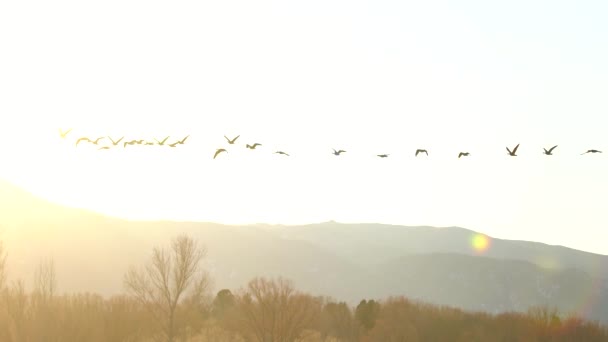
45, 281
367, 312
273, 311
164, 281
2, 267
224, 300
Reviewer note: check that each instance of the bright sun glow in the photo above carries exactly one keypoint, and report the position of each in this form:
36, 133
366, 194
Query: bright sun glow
480, 243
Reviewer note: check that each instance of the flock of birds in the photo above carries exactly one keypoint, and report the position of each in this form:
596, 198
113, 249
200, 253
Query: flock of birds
115, 143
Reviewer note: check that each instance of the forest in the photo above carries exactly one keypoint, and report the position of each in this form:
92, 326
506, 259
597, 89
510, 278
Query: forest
170, 298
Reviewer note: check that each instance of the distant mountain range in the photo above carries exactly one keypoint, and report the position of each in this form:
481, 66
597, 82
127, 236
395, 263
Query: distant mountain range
346, 261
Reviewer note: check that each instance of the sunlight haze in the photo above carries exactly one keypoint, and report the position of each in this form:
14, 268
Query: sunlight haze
369, 77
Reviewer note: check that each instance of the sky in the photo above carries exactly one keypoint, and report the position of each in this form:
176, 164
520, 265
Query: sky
369, 77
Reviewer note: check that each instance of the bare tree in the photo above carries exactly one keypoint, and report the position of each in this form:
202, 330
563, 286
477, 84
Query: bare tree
161, 283
45, 281
273, 311
2, 267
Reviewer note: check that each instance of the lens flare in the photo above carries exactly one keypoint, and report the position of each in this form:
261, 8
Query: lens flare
480, 243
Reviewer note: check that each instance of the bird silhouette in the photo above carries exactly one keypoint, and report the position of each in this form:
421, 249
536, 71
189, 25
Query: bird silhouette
337, 153
252, 147
592, 151
63, 134
549, 152
94, 142
281, 152
383, 155
465, 154
132, 142
162, 142
148, 143
116, 142
104, 148
231, 142
218, 151
512, 153
421, 151
181, 142
174, 144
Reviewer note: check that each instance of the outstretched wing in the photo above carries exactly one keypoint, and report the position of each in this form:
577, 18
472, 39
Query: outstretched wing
509, 151
161, 142
515, 149
63, 134
82, 139
552, 148
184, 140
417, 151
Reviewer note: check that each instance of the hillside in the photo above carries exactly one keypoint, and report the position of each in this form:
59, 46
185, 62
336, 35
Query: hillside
346, 261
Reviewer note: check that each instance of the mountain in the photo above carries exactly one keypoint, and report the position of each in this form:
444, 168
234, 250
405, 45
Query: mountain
347, 261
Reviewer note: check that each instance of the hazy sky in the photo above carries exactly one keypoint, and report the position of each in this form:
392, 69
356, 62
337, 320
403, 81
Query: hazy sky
369, 77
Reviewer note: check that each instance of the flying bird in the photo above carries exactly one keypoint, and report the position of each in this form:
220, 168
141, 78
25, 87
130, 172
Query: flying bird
181, 142
161, 142
512, 153
148, 143
218, 151
94, 142
174, 144
466, 154
63, 134
283, 153
421, 151
231, 142
337, 153
592, 151
104, 148
117, 141
383, 155
132, 142
252, 147
549, 152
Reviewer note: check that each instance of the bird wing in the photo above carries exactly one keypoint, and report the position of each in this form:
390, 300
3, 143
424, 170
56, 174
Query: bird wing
218, 152
82, 139
341, 151
184, 140
515, 149
112, 140
334, 150
552, 148
257, 144
425, 151
63, 134
509, 151
417, 151
460, 154
119, 140
97, 140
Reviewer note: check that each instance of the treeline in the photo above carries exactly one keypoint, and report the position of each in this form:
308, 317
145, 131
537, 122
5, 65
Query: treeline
168, 299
